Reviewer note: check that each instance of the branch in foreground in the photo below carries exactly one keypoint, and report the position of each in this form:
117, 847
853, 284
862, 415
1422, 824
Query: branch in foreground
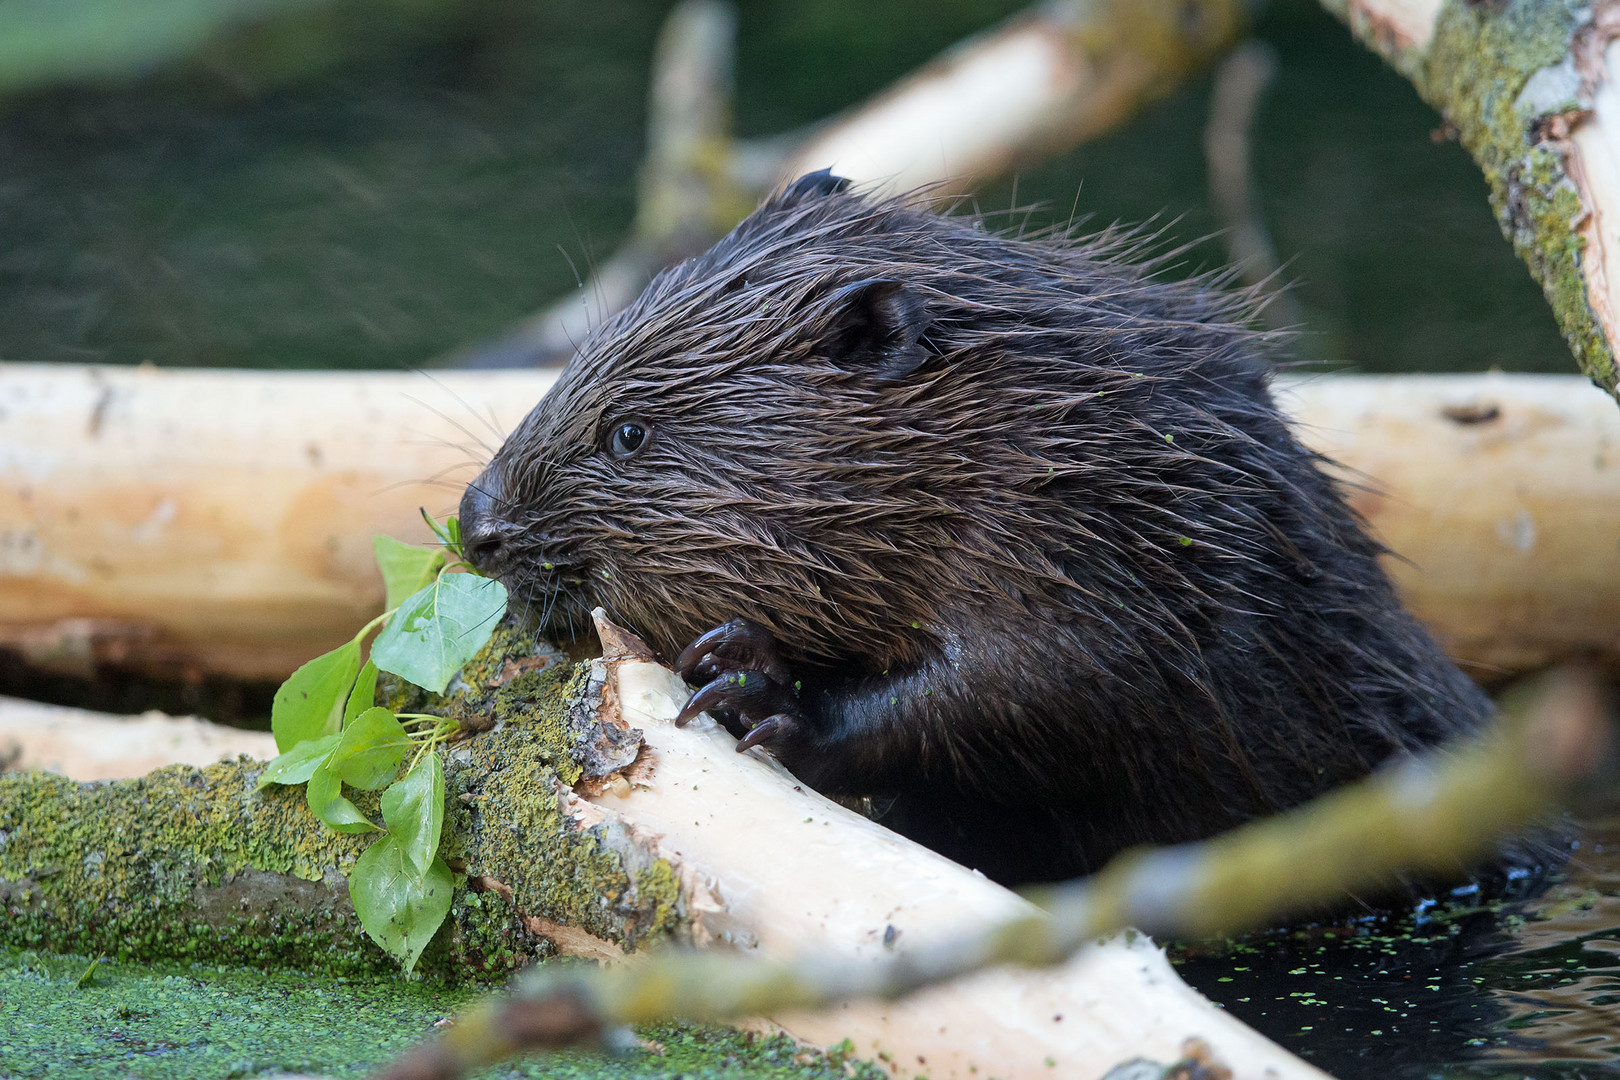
1432, 815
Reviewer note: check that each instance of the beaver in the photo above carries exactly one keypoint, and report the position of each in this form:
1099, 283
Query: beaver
1004, 532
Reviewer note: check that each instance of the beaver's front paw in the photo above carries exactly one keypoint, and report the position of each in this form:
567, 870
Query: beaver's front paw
744, 684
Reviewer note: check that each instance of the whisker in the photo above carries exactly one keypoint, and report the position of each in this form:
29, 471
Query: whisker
425, 439
579, 282
488, 422
429, 482
457, 424
551, 602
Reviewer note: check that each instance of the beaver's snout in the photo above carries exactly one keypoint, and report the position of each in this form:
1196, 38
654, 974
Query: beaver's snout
484, 535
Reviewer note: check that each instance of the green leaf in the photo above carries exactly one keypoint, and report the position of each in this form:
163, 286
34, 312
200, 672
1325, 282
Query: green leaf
364, 694
413, 810
399, 907
297, 765
369, 750
439, 629
405, 568
330, 807
441, 531
310, 703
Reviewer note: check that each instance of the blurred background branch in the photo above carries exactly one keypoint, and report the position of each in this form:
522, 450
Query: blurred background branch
1234, 104
371, 183
1038, 86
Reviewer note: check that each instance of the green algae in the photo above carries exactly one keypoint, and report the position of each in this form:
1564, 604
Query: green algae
202, 1021
197, 865
1475, 72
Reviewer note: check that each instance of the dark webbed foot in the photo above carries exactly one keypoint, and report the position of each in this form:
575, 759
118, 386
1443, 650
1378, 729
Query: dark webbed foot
743, 683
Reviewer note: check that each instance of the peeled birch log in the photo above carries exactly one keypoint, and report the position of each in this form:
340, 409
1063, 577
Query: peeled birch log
179, 522
1529, 88
1500, 497
726, 820
88, 745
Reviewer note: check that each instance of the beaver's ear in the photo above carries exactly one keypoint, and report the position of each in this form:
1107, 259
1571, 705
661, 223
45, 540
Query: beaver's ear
814, 185
877, 325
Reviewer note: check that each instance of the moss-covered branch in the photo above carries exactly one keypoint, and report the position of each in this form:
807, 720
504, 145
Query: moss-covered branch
1523, 86
197, 864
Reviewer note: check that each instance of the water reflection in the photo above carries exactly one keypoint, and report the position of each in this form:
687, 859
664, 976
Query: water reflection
1530, 986
1557, 975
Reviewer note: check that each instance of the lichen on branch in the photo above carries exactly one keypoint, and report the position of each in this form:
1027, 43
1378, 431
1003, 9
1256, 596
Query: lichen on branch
1507, 80
196, 864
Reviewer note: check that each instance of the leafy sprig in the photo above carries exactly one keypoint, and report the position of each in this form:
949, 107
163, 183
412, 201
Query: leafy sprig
332, 734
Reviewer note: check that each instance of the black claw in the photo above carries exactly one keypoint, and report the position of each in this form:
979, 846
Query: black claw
707, 700
744, 684
738, 645
698, 652
738, 693
768, 730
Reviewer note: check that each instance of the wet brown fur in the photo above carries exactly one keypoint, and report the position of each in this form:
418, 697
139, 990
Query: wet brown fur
1056, 574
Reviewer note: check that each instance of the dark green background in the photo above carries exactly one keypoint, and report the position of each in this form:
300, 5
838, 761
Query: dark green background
381, 182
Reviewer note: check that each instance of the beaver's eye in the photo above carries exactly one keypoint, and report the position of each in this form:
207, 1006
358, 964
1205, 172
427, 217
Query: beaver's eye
627, 438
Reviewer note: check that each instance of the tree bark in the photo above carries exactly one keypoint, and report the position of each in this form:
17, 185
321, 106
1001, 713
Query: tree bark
194, 863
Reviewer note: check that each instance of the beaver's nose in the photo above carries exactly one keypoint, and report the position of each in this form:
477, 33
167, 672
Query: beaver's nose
482, 531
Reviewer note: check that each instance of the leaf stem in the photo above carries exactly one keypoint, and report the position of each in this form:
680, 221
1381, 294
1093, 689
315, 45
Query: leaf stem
373, 624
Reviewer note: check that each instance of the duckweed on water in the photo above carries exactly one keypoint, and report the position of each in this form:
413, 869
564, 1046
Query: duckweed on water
185, 1022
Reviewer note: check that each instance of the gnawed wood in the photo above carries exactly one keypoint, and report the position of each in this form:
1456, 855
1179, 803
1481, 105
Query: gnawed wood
1500, 497
178, 523
786, 872
697, 844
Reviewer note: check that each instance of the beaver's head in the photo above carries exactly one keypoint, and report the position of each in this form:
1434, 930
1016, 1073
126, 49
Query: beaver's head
842, 413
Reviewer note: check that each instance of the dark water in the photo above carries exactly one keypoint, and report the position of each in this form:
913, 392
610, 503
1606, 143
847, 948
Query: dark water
449, 178
1525, 989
